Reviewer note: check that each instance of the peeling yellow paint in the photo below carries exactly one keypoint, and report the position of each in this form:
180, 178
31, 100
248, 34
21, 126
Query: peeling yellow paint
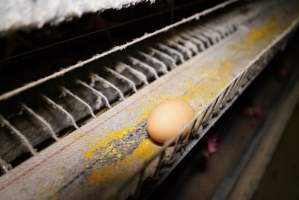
112, 136
123, 168
105, 140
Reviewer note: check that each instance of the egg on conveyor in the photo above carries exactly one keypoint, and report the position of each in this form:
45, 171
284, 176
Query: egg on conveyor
168, 118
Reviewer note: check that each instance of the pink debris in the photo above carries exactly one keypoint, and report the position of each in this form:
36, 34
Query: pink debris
212, 144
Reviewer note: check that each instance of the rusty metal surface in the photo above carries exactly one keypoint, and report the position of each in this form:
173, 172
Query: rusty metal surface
97, 159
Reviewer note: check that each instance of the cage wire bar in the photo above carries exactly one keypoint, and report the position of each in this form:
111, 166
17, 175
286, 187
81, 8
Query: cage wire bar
41, 120
196, 16
24, 141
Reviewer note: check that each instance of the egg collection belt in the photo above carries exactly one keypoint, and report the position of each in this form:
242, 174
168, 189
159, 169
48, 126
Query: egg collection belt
83, 135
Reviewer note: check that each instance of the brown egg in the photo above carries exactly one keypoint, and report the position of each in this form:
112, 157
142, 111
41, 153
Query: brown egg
168, 118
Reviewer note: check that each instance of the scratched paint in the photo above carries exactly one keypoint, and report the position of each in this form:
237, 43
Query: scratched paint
124, 167
119, 159
110, 136
124, 148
